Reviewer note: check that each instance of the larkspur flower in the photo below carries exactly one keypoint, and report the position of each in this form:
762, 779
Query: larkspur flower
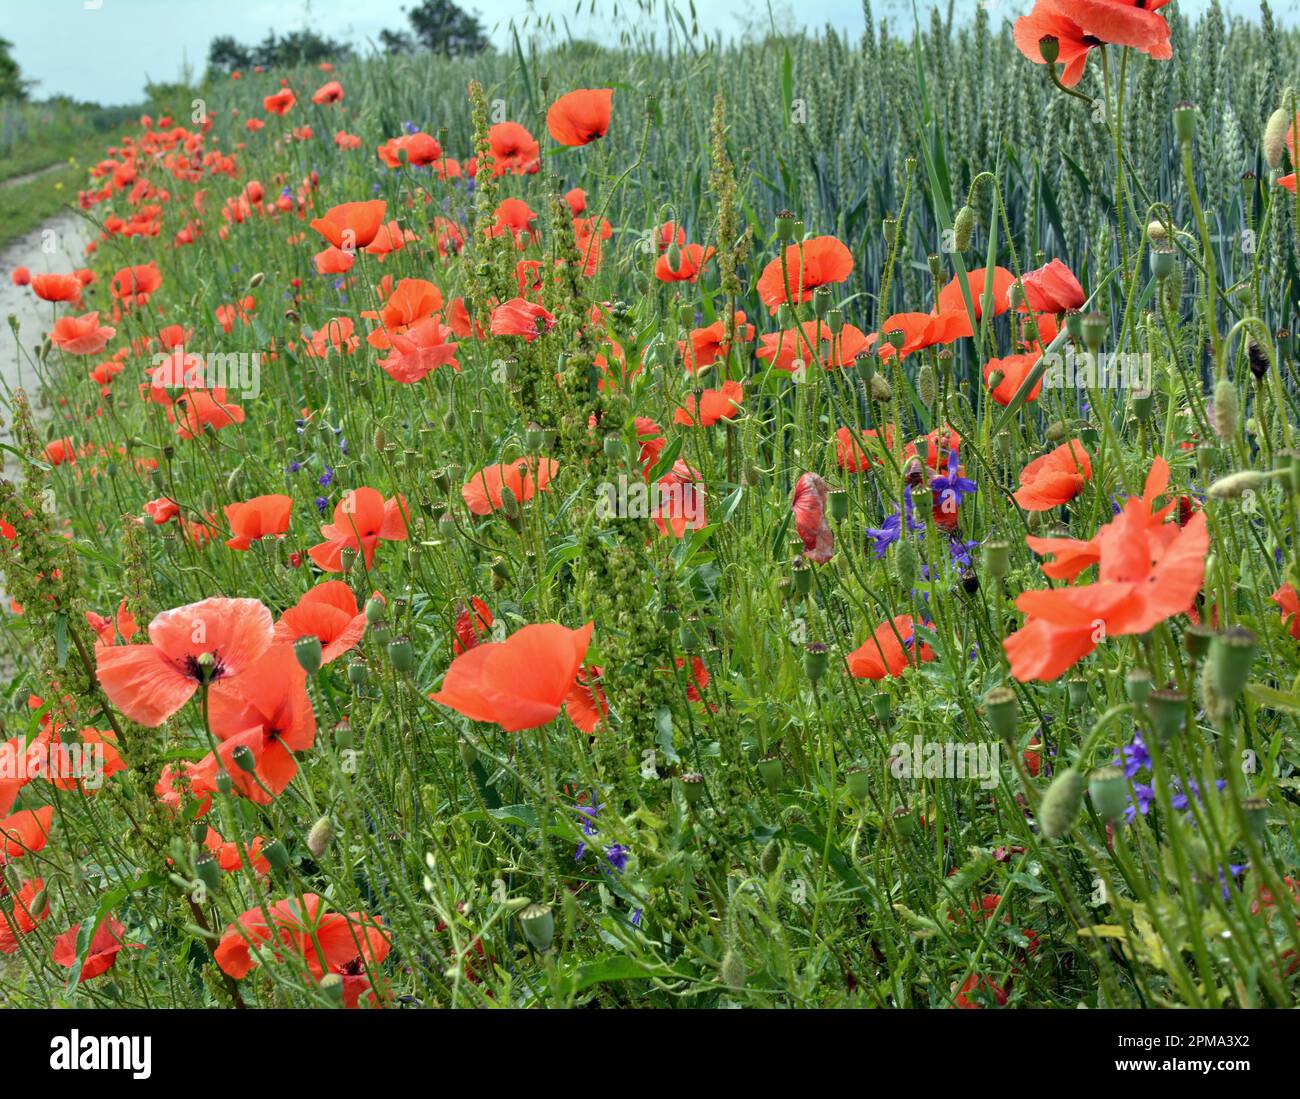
616, 853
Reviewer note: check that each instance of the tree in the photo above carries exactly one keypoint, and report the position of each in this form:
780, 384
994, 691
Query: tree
12, 84
304, 47
227, 55
439, 26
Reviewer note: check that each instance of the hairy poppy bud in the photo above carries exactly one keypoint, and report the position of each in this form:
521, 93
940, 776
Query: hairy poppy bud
732, 970
963, 228
906, 564
307, 650
538, 924
880, 388
1157, 234
1108, 790
1062, 803
926, 386
320, 837
1227, 410
381, 439
1274, 141
770, 859
1235, 484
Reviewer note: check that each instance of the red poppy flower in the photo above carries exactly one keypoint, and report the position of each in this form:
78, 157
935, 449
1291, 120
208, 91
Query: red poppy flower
525, 477
519, 683
689, 264
808, 265
809, 507
22, 920
329, 92
885, 651
412, 301
1285, 598
258, 518
1014, 369
280, 103
711, 344
576, 198
105, 946
161, 510
514, 216
25, 832
579, 117
22, 276
420, 349
329, 612
520, 317
134, 285
854, 454
951, 299
792, 348
1055, 478
473, 624
82, 335
352, 225
1052, 289
715, 404
514, 149
677, 503
982, 988
206, 642
362, 519
418, 149
1079, 26
56, 288
197, 409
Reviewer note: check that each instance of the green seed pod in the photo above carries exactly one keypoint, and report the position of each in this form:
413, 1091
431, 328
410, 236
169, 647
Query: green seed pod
538, 924
1061, 804
1096, 327
244, 759
1231, 654
1108, 789
1049, 47
1137, 685
276, 854
332, 985
1256, 813
224, 782
835, 321
1002, 706
880, 705
376, 610
837, 501
692, 787
1185, 122
906, 564
963, 228
997, 558
208, 870
1143, 404
771, 771
1168, 709
1196, 639
803, 576
1163, 263
821, 302
347, 558
320, 837
402, 654
358, 673
307, 650
785, 225
199, 831
858, 783
816, 657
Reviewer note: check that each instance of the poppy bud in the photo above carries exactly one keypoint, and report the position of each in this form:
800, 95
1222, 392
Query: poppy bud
771, 771
1235, 485
1274, 140
1185, 122
1137, 685
732, 970
674, 256
381, 440
509, 502
208, 870
1049, 48
1227, 410
692, 787
926, 386
1062, 803
963, 228
770, 859
906, 564
1108, 789
880, 388
244, 758
449, 420
815, 660
320, 837
858, 782
1002, 706
307, 650
402, 654
538, 924
1168, 710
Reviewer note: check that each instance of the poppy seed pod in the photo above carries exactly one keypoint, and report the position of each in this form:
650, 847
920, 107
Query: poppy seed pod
224, 782
785, 221
821, 302
997, 558
1163, 262
358, 673
880, 705
276, 854
208, 870
1049, 48
1231, 654
865, 364
936, 266
1062, 803
1002, 707
835, 321
1077, 692
332, 986
963, 228
692, 787
244, 759
402, 654
815, 659
1196, 639
837, 503
534, 438
1168, 710
307, 651
1227, 410
1184, 122
1108, 789
199, 830
1074, 324
347, 558
771, 771
803, 577
320, 837
1256, 813
1143, 404
1095, 329
1137, 685
538, 924
858, 783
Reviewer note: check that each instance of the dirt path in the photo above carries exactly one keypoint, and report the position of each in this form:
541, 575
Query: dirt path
27, 177
59, 246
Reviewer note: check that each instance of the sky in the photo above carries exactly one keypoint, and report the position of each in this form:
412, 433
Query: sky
105, 50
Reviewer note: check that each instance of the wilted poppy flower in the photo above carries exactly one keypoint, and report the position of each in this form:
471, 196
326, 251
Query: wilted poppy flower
260, 517
1014, 369
201, 643
809, 507
524, 477
25, 833
723, 403
1052, 288
581, 116
884, 653
473, 624
161, 510
105, 946
328, 612
677, 500
521, 317
362, 519
352, 225
809, 264
1055, 478
519, 683
82, 335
